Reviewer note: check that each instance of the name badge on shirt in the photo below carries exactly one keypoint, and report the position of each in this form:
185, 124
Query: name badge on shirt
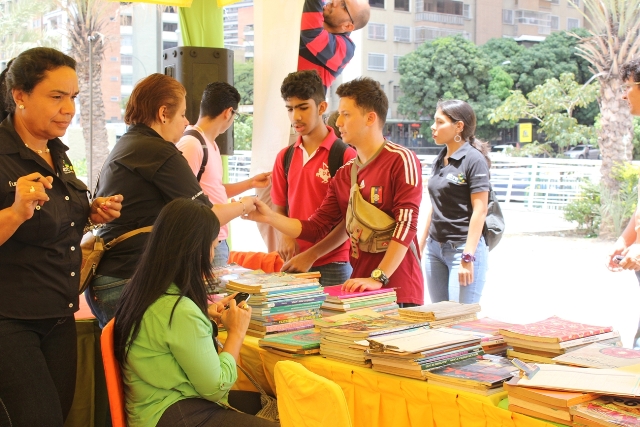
376, 195
67, 168
459, 179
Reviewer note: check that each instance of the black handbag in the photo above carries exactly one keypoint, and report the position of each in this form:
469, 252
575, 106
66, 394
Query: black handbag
494, 222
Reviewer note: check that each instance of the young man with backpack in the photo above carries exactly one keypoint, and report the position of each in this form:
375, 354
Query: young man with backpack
218, 108
301, 176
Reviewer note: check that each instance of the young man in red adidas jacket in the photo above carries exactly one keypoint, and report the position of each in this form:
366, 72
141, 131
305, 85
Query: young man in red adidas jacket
299, 188
389, 177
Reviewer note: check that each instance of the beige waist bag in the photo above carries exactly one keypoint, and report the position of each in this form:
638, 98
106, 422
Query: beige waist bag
369, 228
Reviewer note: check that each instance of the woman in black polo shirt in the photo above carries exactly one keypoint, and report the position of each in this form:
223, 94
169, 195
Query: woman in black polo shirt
43, 210
148, 170
456, 255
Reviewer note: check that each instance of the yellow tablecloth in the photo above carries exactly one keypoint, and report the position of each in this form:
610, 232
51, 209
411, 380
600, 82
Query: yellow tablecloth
377, 399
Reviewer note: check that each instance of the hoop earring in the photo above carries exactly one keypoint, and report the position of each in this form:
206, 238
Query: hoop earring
457, 138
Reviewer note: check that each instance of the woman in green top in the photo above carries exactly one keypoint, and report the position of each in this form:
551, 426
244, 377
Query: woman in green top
163, 336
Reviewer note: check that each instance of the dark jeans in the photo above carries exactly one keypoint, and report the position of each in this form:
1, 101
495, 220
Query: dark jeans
103, 295
334, 273
37, 371
203, 413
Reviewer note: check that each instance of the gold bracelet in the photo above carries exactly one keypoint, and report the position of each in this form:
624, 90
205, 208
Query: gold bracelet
244, 210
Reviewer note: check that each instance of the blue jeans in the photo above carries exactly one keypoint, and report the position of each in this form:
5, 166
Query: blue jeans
636, 339
334, 273
221, 254
103, 295
441, 264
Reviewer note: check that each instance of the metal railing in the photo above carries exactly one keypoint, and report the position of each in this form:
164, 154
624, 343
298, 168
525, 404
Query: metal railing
443, 18
530, 183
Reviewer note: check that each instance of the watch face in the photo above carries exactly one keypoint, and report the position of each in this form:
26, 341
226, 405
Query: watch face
376, 273
467, 257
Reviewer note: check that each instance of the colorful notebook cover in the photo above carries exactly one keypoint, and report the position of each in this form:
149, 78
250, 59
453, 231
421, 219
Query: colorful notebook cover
303, 340
336, 293
610, 411
486, 325
600, 356
488, 371
380, 325
553, 329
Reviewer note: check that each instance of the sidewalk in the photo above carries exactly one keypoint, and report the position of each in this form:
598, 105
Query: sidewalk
534, 275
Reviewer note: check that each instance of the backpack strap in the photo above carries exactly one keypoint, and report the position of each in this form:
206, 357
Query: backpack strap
205, 149
336, 156
286, 160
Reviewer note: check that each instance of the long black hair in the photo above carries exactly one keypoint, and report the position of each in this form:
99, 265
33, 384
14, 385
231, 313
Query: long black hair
460, 111
178, 251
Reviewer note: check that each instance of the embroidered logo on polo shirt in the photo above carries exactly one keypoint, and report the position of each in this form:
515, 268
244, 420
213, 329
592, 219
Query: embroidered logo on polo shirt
459, 179
67, 167
376, 195
362, 184
323, 173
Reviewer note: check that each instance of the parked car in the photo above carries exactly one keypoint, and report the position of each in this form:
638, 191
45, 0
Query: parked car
583, 152
502, 150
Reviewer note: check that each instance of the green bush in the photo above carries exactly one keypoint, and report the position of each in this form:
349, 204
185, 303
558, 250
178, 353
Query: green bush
585, 209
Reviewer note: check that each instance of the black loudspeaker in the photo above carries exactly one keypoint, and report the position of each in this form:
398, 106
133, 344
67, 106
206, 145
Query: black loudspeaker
195, 68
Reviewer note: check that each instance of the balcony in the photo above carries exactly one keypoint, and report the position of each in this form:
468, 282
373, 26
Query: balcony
423, 34
443, 18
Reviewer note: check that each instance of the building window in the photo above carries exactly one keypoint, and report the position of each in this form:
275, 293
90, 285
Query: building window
377, 62
126, 40
397, 94
126, 79
451, 7
576, 2
126, 20
115, 98
423, 34
113, 78
126, 59
396, 62
114, 59
555, 1
402, 5
466, 11
401, 34
169, 45
555, 22
377, 31
170, 26
507, 16
376, 3
572, 24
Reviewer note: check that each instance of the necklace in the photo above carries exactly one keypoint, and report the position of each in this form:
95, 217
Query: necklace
198, 128
46, 150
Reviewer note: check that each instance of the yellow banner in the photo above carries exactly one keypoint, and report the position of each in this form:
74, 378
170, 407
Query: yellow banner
525, 132
222, 3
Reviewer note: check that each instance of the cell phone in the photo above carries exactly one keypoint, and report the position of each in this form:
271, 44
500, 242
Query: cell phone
240, 296
617, 259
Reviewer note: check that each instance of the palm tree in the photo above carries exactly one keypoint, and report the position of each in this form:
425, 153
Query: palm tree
613, 40
89, 18
17, 32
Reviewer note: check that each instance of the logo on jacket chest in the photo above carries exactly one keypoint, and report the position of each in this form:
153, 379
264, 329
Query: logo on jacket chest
323, 173
459, 179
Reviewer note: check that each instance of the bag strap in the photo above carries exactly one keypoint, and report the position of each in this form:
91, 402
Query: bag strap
125, 236
286, 160
336, 156
205, 149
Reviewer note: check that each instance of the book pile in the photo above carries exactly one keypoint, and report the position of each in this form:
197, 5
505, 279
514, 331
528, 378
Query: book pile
603, 356
280, 302
293, 344
488, 330
544, 340
413, 352
441, 314
607, 411
484, 375
222, 275
339, 342
550, 405
382, 301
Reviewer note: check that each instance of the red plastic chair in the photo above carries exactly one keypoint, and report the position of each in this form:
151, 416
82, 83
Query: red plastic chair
115, 387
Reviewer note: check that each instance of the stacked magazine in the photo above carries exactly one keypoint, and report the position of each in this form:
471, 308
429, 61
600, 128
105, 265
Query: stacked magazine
338, 301
441, 314
280, 302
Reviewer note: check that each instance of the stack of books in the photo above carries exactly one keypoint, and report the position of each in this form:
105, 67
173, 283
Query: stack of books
338, 301
606, 411
488, 330
550, 405
293, 344
441, 314
413, 352
484, 375
339, 342
601, 356
542, 341
280, 302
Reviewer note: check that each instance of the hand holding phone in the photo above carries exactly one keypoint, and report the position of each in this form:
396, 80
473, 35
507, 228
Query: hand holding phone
239, 297
618, 258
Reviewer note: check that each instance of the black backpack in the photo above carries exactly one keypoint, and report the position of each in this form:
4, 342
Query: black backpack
336, 155
205, 149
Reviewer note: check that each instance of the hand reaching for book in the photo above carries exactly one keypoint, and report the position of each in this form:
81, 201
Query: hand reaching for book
361, 284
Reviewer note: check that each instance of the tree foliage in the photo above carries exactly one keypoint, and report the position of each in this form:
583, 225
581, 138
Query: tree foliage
243, 133
552, 105
17, 33
243, 81
451, 68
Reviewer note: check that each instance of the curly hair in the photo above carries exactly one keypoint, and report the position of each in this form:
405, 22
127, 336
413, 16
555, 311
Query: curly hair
630, 69
303, 85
